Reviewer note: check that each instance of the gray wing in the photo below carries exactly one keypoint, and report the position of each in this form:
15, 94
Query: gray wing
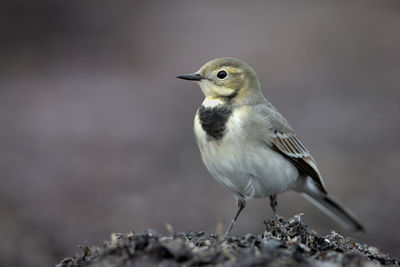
283, 139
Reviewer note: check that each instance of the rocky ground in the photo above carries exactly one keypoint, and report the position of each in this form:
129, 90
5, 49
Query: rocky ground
284, 242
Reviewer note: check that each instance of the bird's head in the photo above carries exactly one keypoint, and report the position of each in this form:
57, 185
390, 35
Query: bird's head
227, 79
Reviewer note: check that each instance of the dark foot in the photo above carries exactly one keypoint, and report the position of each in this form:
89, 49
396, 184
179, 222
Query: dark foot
273, 202
241, 204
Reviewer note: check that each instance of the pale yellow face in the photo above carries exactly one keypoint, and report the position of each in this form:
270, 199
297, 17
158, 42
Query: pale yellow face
227, 78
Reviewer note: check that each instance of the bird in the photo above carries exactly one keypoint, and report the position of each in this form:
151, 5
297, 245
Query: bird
249, 147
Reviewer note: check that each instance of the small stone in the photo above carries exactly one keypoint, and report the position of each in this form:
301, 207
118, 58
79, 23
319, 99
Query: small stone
374, 250
271, 245
114, 238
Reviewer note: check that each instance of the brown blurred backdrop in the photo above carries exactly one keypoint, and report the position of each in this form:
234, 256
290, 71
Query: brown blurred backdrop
96, 131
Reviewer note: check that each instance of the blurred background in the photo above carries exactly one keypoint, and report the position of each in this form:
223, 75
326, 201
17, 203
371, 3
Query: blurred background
96, 132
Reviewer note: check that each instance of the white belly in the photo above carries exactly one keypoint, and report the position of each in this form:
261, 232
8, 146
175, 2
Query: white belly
249, 168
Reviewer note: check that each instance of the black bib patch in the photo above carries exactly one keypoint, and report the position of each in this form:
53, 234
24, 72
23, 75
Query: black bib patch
213, 120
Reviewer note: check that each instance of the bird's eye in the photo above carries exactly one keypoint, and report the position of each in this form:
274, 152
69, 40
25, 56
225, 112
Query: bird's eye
222, 74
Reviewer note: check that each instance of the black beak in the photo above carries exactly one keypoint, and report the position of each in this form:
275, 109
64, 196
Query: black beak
190, 76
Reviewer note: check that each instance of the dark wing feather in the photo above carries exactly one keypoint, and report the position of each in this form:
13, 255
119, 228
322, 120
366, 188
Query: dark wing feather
291, 147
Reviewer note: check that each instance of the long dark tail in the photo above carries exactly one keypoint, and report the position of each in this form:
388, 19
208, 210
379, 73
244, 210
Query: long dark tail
330, 206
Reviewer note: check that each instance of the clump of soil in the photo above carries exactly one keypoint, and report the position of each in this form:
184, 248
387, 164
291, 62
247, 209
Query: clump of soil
284, 242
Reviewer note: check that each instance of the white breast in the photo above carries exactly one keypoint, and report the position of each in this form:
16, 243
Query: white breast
242, 163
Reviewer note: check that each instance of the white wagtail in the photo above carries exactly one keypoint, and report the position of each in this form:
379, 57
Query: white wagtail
249, 147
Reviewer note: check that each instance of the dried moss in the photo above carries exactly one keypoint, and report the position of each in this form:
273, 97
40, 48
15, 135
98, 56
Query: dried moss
283, 243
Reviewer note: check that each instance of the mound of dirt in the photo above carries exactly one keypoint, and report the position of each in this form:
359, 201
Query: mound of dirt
284, 242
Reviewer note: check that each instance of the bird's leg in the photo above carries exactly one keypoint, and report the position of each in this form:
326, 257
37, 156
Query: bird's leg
273, 202
241, 204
